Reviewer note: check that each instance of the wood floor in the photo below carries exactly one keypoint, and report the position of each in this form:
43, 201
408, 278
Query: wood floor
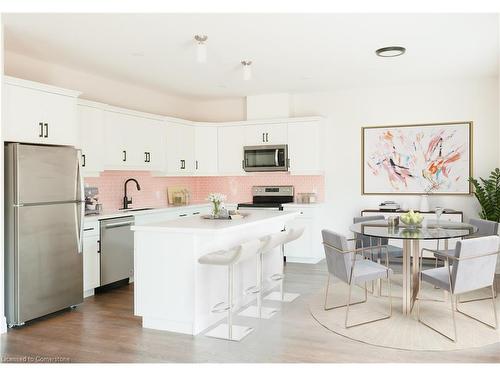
104, 329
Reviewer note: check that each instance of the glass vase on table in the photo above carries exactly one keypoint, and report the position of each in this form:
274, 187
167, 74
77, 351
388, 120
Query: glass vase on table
438, 211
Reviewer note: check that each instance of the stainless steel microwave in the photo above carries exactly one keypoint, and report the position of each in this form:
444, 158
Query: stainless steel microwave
265, 158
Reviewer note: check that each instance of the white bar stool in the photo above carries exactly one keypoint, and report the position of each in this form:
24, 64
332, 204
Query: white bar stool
291, 235
259, 311
228, 258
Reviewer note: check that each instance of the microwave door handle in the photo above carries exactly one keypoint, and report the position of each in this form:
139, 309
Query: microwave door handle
276, 160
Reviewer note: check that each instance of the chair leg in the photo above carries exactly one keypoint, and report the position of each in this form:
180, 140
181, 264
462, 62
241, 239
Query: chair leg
493, 298
326, 307
420, 320
347, 325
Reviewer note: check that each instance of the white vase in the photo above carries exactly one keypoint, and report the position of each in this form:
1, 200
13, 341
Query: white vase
424, 203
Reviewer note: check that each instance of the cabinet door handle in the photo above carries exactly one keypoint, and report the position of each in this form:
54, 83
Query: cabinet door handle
196, 164
263, 137
183, 164
267, 139
149, 157
41, 129
124, 155
145, 157
196, 213
98, 246
182, 215
46, 130
83, 160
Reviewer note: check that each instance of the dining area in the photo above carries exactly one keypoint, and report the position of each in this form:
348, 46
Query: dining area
412, 281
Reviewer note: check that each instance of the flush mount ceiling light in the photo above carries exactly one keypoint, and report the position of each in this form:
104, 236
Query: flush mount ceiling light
392, 51
247, 70
201, 48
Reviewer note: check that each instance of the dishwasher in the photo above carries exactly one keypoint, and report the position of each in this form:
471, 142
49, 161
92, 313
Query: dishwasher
117, 250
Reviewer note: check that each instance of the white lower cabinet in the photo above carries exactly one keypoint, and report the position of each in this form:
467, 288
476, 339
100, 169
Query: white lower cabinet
308, 248
91, 259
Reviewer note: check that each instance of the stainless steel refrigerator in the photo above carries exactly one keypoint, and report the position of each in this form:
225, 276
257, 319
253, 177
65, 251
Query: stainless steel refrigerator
44, 208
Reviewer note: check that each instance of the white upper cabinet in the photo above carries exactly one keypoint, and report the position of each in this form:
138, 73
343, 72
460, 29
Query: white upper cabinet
117, 150
180, 148
205, 147
91, 124
133, 142
305, 147
262, 134
231, 140
37, 113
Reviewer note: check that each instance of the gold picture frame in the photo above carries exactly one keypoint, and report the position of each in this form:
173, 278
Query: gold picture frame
469, 132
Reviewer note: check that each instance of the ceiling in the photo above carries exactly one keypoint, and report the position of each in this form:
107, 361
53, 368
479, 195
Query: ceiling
290, 52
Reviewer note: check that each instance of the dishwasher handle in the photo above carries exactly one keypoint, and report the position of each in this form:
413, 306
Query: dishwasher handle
117, 225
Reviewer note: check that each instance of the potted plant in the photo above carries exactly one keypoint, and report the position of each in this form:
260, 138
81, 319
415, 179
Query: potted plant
217, 200
487, 192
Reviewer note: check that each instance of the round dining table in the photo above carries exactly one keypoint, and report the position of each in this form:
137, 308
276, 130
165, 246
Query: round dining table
411, 236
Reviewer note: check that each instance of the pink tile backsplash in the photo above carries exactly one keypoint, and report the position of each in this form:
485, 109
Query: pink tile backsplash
154, 189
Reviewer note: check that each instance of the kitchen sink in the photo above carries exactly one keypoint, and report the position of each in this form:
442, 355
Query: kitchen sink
137, 209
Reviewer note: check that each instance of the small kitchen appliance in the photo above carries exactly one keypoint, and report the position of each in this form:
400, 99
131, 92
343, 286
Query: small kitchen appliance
266, 158
92, 205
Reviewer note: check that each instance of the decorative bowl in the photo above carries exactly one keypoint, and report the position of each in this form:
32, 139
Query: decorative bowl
412, 223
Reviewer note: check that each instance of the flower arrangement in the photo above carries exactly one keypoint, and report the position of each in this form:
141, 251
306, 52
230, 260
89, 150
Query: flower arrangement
217, 200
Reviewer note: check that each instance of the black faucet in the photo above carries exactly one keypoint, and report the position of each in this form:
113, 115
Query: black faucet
127, 201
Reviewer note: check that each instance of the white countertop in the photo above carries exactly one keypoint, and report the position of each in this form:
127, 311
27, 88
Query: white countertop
196, 224
121, 213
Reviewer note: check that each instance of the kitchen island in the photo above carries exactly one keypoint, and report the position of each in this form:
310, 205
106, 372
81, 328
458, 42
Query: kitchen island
173, 292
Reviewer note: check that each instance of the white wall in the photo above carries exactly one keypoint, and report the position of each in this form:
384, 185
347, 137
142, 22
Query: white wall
348, 110
124, 94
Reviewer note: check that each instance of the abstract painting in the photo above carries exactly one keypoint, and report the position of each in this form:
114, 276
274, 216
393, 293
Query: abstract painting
417, 159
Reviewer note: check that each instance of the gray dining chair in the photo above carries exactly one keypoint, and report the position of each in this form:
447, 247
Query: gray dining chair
351, 267
472, 268
484, 228
362, 240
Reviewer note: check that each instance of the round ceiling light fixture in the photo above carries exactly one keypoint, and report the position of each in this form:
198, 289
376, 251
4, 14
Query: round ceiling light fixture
392, 51
201, 51
247, 70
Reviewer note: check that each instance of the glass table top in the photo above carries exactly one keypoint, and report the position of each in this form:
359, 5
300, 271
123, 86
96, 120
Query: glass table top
432, 230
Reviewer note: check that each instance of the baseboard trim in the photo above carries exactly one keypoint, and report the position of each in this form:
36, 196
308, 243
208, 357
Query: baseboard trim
3, 324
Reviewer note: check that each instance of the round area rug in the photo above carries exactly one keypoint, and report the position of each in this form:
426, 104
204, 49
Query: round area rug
405, 332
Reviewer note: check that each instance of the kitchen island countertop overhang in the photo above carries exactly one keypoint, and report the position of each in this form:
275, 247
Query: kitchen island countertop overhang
173, 291
197, 224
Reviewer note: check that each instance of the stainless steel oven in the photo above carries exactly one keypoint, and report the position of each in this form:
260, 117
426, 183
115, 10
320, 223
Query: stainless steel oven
266, 158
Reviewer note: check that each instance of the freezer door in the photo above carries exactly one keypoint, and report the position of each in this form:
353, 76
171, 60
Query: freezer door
48, 259
45, 173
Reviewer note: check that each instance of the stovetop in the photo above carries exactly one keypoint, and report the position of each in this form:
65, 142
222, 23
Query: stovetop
263, 205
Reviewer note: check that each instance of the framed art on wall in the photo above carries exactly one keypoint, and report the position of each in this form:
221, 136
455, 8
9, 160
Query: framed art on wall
417, 159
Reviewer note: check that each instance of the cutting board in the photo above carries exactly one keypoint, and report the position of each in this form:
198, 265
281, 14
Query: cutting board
171, 190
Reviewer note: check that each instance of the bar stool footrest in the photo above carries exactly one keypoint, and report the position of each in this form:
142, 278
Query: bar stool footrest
277, 277
220, 307
252, 290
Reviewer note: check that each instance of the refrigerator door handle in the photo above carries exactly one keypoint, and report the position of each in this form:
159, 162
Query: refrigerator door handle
80, 199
